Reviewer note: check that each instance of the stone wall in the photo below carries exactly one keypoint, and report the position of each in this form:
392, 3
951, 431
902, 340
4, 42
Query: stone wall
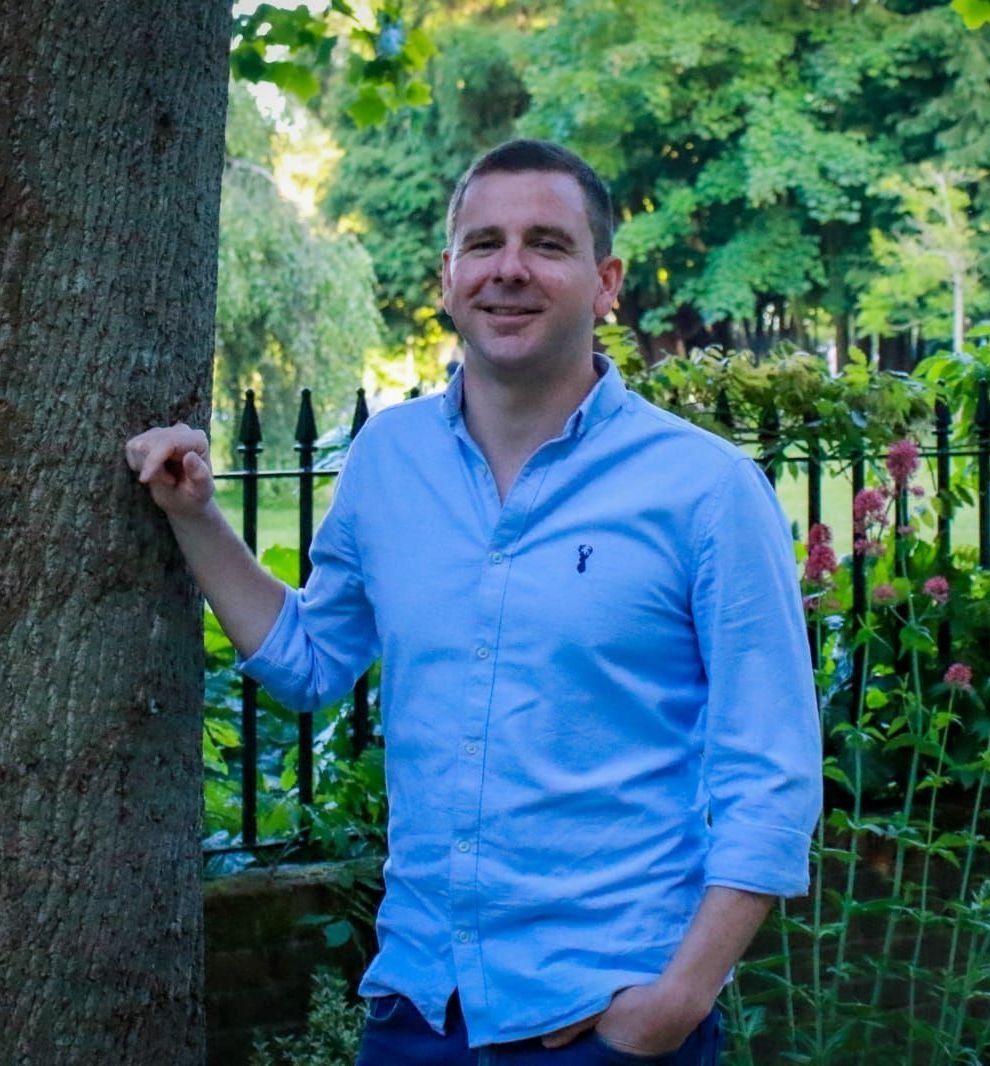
260, 953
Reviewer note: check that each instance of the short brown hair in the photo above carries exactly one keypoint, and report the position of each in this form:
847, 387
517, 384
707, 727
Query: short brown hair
516, 156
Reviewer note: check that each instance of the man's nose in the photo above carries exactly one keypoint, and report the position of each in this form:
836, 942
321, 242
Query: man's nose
510, 264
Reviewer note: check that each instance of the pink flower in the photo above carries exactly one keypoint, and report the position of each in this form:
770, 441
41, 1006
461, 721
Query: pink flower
917, 490
959, 676
906, 530
902, 461
819, 534
938, 588
884, 594
820, 563
869, 505
873, 549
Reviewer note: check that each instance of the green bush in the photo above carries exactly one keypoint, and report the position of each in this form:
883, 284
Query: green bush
332, 1035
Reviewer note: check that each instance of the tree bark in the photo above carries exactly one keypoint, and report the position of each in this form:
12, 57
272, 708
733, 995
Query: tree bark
111, 150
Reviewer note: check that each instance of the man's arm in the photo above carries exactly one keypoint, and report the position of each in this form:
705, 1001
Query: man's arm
174, 464
657, 1018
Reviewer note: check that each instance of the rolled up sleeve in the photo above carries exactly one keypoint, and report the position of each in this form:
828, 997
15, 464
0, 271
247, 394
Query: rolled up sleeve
324, 638
762, 738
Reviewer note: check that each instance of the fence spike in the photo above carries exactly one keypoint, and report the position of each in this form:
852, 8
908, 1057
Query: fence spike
360, 414
306, 423
250, 433
723, 412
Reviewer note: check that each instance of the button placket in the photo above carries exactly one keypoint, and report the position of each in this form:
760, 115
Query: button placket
466, 844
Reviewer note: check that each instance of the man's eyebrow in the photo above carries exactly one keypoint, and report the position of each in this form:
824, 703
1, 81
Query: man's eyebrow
482, 233
555, 232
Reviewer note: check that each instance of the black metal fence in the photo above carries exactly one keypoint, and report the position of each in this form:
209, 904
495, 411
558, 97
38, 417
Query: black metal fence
765, 440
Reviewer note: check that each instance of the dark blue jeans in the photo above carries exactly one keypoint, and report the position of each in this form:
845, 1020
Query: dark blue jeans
396, 1034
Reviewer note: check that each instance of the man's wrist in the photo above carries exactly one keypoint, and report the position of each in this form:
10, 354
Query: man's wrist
691, 996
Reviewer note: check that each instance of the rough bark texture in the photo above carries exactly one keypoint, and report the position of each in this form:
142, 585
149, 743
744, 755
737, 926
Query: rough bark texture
111, 150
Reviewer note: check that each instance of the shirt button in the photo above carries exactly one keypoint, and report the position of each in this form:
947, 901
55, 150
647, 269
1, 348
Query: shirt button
496, 557
482, 653
463, 936
463, 845
470, 747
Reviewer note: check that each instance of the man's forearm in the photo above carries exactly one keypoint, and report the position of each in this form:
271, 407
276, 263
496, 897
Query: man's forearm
244, 597
719, 933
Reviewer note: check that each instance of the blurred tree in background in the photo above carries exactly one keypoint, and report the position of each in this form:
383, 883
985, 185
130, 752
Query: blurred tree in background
295, 301
754, 151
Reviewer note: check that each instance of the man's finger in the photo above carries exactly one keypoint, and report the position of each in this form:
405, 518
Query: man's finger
154, 465
564, 1036
196, 468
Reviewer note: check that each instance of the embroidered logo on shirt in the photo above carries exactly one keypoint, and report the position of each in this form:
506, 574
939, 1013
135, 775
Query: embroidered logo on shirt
584, 550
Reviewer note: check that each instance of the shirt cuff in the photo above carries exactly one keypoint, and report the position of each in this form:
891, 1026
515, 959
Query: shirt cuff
255, 665
759, 858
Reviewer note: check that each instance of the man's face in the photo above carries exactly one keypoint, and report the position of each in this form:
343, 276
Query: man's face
520, 280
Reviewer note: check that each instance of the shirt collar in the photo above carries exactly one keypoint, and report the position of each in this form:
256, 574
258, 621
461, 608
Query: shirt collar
607, 396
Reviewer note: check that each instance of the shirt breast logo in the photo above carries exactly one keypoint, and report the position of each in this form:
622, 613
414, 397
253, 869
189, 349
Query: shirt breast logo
584, 550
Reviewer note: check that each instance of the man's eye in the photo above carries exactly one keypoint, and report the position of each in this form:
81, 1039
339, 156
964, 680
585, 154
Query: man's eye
550, 246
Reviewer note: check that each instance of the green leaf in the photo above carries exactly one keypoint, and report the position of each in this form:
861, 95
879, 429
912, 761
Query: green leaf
876, 697
294, 78
418, 48
418, 94
336, 934
369, 108
975, 13
282, 563
222, 733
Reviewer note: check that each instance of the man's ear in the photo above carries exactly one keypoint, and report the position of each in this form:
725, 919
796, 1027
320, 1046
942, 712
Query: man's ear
445, 277
610, 274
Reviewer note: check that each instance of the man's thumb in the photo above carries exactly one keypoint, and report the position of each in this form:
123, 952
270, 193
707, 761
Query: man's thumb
194, 467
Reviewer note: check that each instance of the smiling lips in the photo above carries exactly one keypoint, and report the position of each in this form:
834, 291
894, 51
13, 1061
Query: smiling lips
509, 310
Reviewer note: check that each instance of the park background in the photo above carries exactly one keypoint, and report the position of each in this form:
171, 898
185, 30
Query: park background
805, 217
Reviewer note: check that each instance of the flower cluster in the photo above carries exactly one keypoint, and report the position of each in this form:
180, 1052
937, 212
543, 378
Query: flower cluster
883, 594
938, 589
869, 520
821, 562
959, 676
902, 462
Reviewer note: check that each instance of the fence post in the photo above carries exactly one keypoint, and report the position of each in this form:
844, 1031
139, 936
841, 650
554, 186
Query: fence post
858, 578
305, 439
943, 430
360, 725
250, 447
768, 437
982, 421
814, 503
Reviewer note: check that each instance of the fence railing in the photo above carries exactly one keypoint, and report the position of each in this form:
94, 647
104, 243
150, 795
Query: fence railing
770, 448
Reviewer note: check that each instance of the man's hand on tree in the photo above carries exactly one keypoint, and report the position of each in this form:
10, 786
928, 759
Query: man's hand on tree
175, 465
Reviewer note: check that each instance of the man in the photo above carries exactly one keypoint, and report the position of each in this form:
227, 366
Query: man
601, 739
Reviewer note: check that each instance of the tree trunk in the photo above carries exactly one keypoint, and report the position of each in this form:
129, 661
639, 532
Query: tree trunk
111, 149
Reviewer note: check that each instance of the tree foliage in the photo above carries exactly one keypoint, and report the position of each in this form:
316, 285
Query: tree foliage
746, 146
394, 180
295, 303
745, 143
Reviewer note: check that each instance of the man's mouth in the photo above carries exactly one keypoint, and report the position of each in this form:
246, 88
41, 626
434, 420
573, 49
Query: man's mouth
509, 310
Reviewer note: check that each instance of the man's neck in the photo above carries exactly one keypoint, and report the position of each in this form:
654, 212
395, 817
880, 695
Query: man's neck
510, 418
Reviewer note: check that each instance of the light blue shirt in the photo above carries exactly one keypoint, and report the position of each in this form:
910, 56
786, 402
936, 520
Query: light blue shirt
575, 683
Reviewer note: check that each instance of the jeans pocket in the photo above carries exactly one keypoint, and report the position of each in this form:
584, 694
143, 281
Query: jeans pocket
382, 1009
620, 1057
